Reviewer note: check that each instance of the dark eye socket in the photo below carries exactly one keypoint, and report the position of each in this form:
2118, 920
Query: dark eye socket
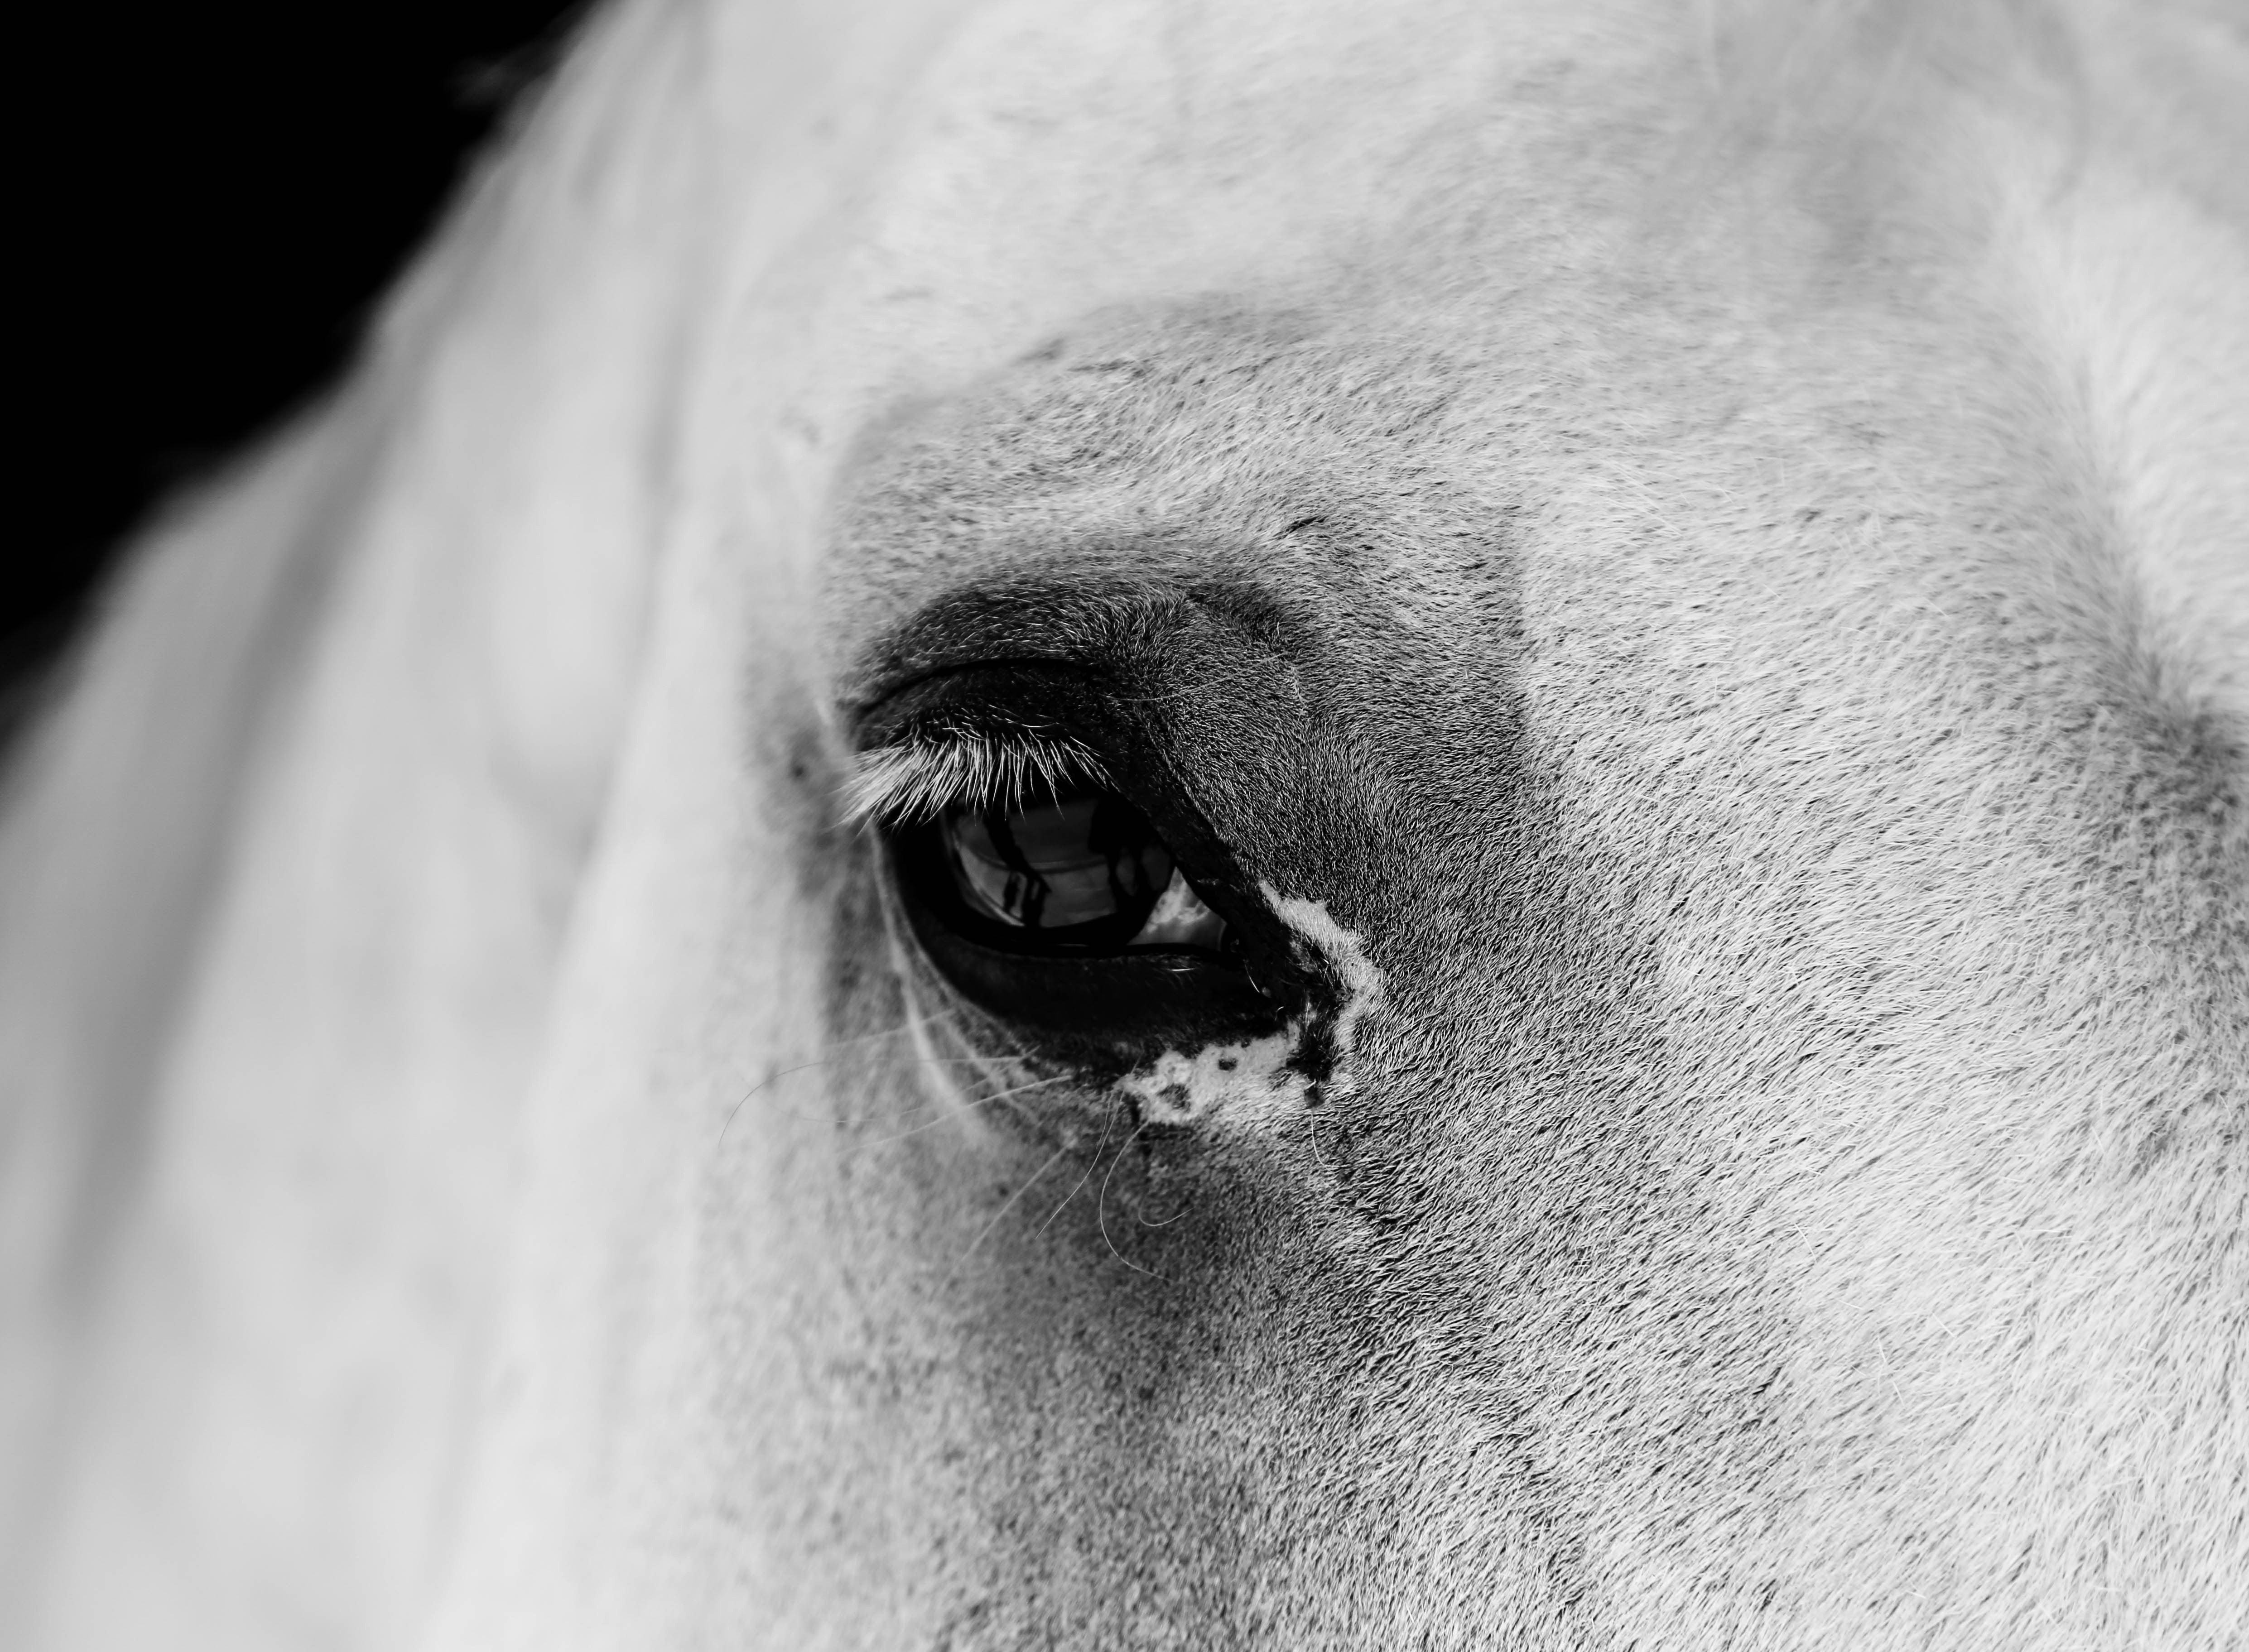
1082, 873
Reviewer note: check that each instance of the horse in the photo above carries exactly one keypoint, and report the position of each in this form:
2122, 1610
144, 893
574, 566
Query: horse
1182, 824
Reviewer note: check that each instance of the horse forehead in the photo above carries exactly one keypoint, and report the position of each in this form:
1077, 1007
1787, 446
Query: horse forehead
1438, 151
1404, 402
1386, 461
1471, 226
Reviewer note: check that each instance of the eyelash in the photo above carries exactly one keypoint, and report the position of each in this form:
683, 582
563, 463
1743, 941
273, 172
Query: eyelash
933, 773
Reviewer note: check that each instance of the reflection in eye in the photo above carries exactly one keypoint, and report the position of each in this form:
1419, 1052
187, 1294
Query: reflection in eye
1089, 863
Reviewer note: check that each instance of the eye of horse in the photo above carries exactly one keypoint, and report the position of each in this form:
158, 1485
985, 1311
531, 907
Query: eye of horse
1063, 886
1081, 873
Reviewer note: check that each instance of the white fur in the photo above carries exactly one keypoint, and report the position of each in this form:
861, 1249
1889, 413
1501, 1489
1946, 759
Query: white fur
1225, 1086
1343, 953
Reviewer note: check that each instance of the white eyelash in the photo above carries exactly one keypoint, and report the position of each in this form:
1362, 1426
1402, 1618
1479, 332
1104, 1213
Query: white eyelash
958, 768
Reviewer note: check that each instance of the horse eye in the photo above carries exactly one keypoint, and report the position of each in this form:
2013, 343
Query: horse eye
1069, 916
1084, 873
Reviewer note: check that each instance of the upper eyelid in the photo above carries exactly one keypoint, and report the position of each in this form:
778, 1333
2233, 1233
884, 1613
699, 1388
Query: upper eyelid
1023, 626
1107, 624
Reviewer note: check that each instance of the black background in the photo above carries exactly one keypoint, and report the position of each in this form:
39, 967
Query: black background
211, 199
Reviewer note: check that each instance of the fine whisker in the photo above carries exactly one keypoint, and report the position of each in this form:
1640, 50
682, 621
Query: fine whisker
1101, 1205
1107, 1119
980, 1101
831, 1053
1000, 1215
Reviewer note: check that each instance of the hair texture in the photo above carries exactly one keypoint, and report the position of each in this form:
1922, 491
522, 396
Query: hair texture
1780, 63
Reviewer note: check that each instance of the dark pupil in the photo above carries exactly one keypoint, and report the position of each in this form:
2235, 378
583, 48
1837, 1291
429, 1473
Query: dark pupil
1059, 865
